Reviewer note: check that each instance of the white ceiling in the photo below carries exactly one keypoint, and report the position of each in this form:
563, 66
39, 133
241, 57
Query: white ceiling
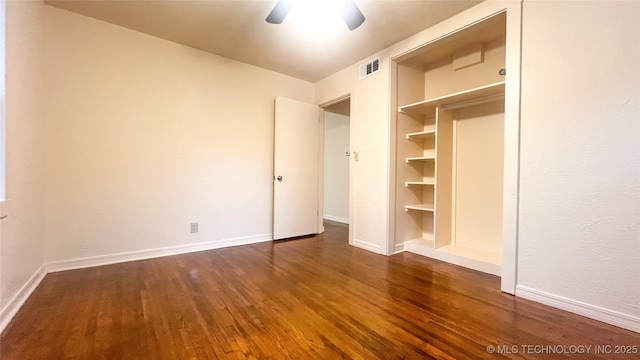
236, 29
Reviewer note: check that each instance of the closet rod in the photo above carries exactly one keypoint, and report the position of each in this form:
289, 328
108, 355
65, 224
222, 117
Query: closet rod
472, 102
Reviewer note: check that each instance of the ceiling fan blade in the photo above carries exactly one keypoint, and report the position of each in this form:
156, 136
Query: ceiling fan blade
279, 12
351, 14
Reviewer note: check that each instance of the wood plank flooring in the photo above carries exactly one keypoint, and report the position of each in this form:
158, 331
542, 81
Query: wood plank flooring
309, 298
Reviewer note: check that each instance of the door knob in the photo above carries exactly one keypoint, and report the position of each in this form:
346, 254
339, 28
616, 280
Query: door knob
279, 178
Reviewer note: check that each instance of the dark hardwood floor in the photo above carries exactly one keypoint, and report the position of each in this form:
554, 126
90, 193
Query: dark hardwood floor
309, 298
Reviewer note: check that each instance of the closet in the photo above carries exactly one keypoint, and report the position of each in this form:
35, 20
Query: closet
449, 147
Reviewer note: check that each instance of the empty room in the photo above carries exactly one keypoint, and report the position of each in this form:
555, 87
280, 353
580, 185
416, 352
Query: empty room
275, 179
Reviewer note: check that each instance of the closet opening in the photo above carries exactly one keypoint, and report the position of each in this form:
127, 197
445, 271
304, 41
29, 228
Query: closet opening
448, 129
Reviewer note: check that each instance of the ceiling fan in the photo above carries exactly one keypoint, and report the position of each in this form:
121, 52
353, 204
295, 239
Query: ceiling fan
349, 11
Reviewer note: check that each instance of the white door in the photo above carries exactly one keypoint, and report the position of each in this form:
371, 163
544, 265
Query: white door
296, 164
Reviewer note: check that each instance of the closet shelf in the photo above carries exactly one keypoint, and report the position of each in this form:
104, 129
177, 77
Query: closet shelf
421, 135
421, 158
428, 107
421, 207
430, 182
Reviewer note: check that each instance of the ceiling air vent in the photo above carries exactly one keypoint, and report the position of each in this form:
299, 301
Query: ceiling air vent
369, 68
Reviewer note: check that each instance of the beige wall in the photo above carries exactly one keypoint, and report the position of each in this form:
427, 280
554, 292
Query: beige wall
22, 231
580, 154
144, 136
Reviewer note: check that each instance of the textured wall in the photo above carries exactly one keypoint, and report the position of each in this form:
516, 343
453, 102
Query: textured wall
580, 153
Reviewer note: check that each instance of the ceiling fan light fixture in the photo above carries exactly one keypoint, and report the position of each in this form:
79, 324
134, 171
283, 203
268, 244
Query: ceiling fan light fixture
348, 10
279, 12
351, 14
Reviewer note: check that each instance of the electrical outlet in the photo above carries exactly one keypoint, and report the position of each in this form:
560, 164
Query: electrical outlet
194, 228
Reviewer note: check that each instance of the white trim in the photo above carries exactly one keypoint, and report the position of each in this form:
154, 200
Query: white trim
511, 166
320, 210
91, 261
12, 307
335, 101
615, 318
367, 246
336, 219
398, 248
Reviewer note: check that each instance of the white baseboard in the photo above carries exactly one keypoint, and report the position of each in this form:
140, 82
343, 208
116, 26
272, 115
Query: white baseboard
367, 246
92, 261
398, 248
336, 219
12, 307
591, 311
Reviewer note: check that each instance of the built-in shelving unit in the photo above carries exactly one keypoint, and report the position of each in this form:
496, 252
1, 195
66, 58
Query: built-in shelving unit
449, 148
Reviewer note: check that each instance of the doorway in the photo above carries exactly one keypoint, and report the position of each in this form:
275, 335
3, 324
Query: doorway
337, 157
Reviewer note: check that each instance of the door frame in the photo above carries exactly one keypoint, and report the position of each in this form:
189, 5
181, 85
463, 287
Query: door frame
351, 164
